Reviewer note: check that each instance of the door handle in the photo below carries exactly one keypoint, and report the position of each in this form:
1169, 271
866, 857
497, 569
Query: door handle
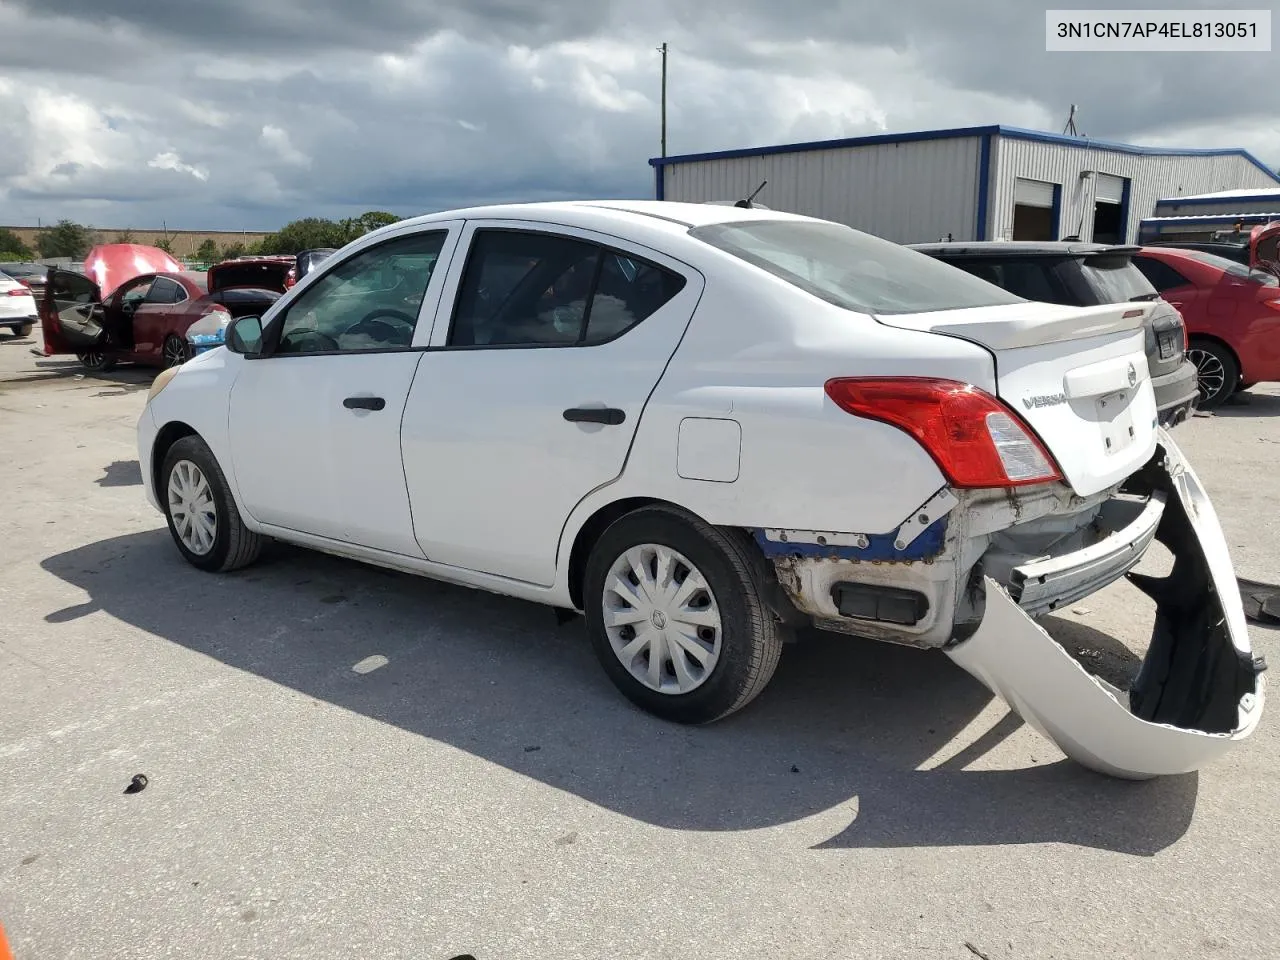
364, 403
610, 415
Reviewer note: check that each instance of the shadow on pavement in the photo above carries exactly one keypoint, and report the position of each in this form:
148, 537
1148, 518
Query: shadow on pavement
1248, 404
121, 473
844, 725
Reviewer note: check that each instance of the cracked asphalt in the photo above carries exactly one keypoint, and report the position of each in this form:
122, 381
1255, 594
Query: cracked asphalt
343, 761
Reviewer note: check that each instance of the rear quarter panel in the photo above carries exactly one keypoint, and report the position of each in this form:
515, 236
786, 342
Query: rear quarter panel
758, 352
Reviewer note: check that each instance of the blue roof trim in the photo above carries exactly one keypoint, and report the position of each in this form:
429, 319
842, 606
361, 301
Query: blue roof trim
1015, 133
1209, 201
1212, 218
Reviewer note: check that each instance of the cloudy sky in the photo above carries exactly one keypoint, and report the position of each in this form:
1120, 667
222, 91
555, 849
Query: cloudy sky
243, 114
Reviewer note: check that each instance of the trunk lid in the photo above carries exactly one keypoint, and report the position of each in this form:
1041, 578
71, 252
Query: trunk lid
1078, 376
262, 274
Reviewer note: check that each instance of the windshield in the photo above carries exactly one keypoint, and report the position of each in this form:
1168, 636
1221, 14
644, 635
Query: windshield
851, 269
1233, 269
1117, 280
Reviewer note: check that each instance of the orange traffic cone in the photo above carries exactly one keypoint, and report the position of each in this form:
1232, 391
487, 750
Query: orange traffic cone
5, 953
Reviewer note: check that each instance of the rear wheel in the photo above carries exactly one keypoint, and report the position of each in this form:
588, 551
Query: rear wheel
675, 614
23, 330
174, 352
96, 360
1218, 373
202, 514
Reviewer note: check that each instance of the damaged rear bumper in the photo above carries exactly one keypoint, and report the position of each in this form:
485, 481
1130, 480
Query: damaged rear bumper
1200, 689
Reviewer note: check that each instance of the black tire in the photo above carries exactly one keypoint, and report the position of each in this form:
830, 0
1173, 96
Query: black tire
175, 351
751, 637
1218, 371
234, 544
1242, 387
97, 361
23, 330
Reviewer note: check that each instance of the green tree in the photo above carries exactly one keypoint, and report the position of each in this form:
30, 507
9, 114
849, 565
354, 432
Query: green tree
12, 247
165, 244
125, 236
65, 239
303, 235
233, 250
207, 252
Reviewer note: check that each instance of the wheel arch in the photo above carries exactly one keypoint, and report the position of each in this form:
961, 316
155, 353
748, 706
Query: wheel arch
590, 532
604, 517
169, 434
1218, 341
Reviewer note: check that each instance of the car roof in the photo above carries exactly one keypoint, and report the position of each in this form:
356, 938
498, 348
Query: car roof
1021, 248
609, 212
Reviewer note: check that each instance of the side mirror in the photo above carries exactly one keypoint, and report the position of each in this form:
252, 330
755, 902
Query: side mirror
244, 336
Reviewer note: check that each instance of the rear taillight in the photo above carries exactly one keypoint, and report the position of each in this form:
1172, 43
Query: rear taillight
19, 292
974, 438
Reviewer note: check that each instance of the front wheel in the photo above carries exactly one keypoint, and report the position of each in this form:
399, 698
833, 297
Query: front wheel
676, 617
202, 514
23, 330
99, 361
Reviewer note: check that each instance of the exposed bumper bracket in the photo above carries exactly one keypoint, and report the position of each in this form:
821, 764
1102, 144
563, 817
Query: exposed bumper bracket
1200, 689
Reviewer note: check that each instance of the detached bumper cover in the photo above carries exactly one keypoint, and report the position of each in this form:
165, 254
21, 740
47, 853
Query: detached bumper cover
1200, 689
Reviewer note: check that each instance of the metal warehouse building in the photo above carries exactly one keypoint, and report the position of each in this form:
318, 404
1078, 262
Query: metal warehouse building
1200, 216
969, 183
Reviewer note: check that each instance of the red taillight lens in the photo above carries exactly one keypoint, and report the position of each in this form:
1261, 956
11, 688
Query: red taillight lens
19, 292
974, 438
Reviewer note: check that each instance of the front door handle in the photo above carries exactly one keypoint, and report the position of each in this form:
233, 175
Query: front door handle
610, 415
364, 403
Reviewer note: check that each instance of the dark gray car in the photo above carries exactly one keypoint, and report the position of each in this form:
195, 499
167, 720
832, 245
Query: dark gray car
1085, 275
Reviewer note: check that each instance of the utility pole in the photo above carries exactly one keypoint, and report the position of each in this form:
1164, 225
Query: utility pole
663, 50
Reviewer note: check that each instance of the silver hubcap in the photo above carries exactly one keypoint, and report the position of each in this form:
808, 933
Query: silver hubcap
92, 359
662, 619
1212, 374
174, 353
191, 507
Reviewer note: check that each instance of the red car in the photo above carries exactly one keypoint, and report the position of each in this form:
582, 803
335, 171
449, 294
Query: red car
1232, 313
144, 319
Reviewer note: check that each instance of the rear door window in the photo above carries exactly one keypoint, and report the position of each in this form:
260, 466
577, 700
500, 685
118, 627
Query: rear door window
164, 290
525, 288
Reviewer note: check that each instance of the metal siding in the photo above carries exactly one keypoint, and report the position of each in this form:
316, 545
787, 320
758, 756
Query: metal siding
910, 192
1174, 209
1151, 176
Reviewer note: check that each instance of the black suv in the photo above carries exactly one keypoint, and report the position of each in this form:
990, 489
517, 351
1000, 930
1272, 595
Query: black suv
1086, 275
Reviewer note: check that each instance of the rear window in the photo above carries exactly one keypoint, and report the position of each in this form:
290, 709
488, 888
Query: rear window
851, 269
1231, 268
1117, 280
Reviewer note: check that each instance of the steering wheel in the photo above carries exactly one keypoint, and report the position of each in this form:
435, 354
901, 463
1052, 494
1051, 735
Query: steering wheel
308, 341
379, 329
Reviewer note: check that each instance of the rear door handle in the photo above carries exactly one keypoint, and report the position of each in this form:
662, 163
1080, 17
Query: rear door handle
364, 403
610, 415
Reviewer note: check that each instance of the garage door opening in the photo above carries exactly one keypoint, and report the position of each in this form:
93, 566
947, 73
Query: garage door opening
1035, 210
1109, 209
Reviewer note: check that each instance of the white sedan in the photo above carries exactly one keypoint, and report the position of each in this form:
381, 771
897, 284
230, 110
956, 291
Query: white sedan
703, 427
17, 306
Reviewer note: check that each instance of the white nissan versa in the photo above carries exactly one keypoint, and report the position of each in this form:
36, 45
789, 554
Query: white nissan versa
703, 426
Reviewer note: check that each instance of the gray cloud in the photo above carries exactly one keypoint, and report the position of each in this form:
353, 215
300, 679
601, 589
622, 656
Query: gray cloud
240, 114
